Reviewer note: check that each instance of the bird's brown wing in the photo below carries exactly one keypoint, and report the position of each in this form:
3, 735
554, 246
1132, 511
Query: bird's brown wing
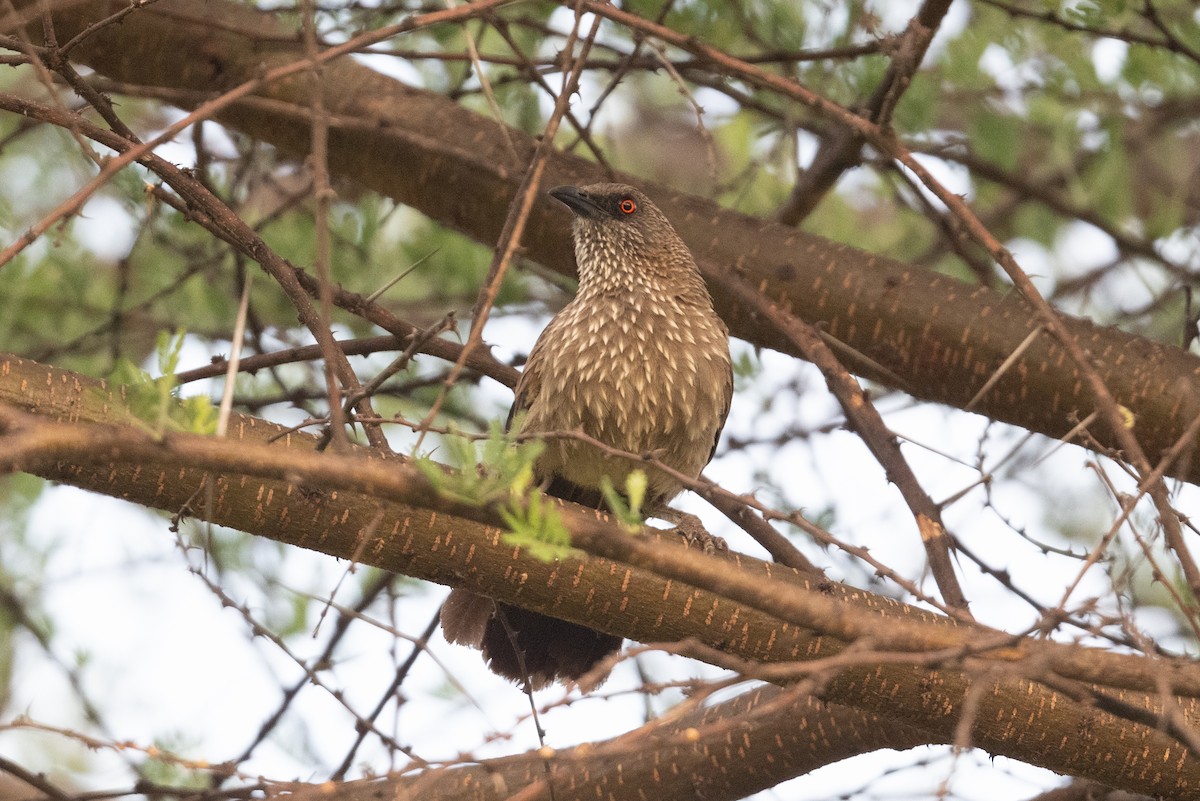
728, 386
528, 388
529, 385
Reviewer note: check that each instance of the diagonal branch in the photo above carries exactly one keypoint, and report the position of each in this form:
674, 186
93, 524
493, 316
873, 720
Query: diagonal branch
841, 151
867, 422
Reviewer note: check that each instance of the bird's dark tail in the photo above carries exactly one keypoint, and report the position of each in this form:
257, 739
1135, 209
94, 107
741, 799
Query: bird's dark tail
530, 648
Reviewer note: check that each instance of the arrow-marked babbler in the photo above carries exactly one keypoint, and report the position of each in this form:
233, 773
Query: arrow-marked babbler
639, 361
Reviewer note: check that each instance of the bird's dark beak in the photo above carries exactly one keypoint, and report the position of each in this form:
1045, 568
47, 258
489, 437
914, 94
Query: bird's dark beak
576, 201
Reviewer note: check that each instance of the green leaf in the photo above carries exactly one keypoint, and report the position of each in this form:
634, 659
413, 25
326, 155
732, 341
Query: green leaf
536, 527
497, 469
154, 402
626, 507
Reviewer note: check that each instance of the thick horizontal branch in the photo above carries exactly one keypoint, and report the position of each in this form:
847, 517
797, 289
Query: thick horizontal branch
847, 615
942, 338
639, 588
782, 733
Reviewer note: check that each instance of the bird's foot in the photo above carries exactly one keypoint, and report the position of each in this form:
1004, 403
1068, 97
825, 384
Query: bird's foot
692, 531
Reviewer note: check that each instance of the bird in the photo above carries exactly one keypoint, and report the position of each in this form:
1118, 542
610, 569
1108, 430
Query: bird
638, 360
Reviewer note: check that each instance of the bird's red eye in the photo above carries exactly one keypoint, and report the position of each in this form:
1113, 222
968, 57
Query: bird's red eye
627, 206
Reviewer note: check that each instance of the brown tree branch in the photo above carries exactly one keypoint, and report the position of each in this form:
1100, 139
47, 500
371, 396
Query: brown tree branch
782, 732
943, 338
384, 512
841, 151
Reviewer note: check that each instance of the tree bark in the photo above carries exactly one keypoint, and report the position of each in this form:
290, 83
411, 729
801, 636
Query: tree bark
996, 694
725, 751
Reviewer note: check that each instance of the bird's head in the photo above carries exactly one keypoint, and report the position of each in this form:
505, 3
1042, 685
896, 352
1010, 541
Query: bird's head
621, 236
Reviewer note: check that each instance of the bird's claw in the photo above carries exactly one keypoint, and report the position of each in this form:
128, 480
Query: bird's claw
693, 532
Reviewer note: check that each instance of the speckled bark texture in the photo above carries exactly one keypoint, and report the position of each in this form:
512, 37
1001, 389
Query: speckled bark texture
1006, 712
